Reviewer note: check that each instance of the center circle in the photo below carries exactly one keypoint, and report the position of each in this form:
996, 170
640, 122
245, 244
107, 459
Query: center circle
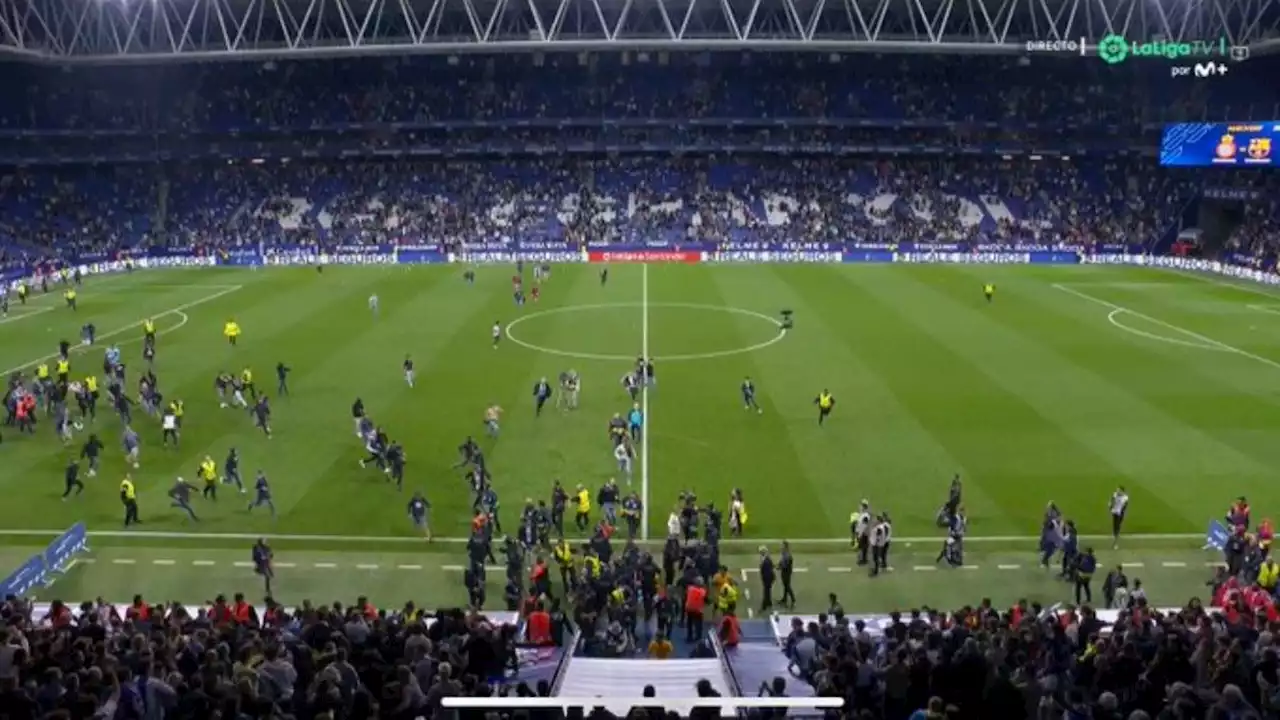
774, 322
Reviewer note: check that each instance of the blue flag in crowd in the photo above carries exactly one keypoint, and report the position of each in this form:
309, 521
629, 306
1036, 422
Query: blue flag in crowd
1216, 536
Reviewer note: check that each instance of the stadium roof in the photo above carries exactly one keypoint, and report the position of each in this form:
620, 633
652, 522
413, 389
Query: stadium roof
98, 31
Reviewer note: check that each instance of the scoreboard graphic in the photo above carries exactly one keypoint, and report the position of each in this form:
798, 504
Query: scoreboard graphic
1246, 144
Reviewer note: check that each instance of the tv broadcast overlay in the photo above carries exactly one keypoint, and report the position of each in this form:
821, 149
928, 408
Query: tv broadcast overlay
1246, 144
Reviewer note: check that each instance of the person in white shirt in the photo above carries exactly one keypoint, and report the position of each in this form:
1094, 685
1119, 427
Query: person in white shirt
1119, 506
736, 510
169, 424
623, 454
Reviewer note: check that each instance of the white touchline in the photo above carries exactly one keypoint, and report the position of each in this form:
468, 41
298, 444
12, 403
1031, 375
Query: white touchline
23, 315
1242, 286
120, 331
644, 403
417, 540
1215, 344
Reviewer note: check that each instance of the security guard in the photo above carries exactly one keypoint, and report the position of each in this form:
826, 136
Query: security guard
591, 565
63, 369
129, 498
727, 598
568, 571
825, 401
1269, 575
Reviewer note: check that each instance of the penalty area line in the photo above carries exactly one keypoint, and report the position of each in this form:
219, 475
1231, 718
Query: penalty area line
179, 310
1208, 342
15, 317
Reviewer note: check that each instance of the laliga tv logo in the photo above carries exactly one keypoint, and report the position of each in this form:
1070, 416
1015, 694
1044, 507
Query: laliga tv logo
1115, 49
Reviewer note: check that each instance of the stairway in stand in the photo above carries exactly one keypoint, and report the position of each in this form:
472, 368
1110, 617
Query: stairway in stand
759, 659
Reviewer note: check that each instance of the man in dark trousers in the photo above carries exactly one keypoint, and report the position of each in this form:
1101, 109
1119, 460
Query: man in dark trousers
786, 566
1086, 564
879, 545
766, 580
73, 480
861, 529
541, 394
282, 378
1115, 581
1233, 552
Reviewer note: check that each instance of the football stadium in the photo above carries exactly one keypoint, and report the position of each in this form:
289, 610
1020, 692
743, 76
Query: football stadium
396, 357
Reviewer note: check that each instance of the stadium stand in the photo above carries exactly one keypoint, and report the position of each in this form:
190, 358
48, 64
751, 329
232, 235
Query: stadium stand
200, 157
357, 661
772, 148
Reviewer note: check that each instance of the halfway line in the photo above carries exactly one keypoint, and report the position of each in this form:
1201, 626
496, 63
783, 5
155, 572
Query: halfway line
644, 403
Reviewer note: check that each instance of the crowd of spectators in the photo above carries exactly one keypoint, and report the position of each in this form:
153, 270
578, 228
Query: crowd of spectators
625, 199
1029, 662
162, 661
317, 662
1257, 236
1213, 661
825, 137
670, 148
198, 98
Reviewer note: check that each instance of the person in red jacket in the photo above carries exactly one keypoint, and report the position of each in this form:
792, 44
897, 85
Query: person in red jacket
241, 611
25, 413
59, 615
730, 630
539, 578
695, 603
1238, 515
220, 613
272, 616
538, 627
138, 610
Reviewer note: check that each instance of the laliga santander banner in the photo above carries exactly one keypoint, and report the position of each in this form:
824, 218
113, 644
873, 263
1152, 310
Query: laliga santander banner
689, 257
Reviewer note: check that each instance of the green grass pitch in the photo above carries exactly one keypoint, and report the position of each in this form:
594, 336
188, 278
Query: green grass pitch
1074, 380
